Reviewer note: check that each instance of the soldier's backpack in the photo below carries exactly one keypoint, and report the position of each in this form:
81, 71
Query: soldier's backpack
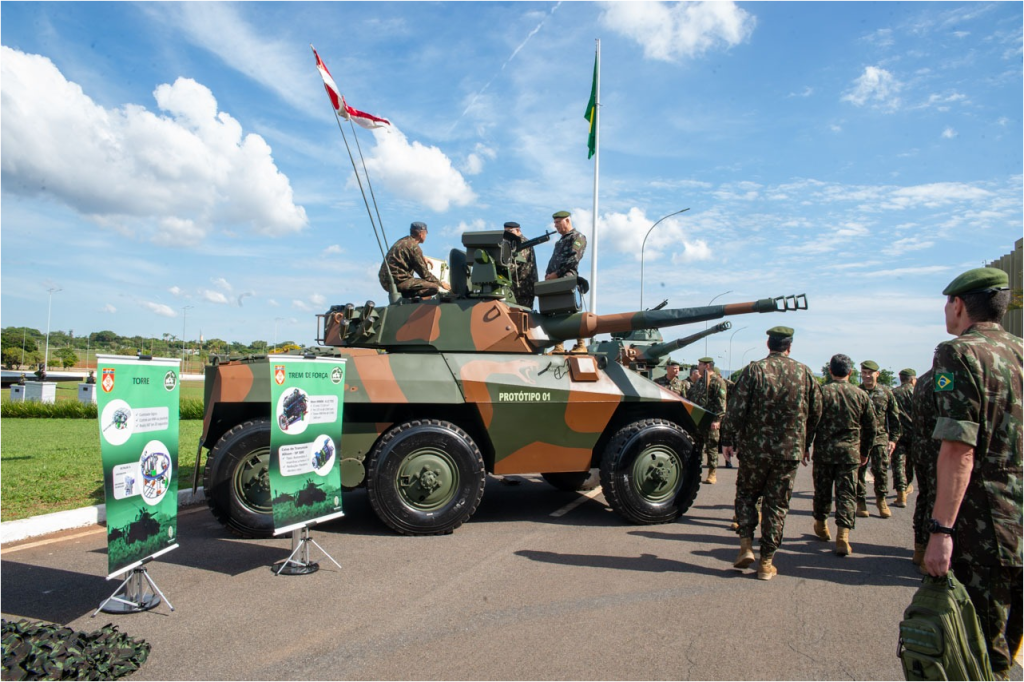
940, 638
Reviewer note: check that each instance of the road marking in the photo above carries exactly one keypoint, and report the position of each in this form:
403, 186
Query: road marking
589, 495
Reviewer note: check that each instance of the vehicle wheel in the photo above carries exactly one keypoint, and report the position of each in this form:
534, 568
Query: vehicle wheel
425, 477
282, 421
237, 480
575, 481
650, 472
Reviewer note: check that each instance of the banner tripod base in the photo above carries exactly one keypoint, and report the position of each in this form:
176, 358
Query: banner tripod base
298, 562
137, 593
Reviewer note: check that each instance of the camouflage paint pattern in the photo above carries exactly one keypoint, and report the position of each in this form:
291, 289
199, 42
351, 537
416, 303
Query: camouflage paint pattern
924, 454
902, 469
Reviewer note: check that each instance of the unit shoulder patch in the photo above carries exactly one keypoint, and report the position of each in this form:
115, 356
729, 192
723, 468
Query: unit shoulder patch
944, 381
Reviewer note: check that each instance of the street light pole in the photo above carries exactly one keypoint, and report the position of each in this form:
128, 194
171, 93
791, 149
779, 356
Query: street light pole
184, 317
743, 358
706, 324
730, 348
49, 305
642, 253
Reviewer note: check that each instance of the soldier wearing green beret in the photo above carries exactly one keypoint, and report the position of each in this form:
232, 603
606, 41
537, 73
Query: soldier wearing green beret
887, 432
902, 468
565, 260
672, 381
976, 521
710, 392
408, 268
771, 421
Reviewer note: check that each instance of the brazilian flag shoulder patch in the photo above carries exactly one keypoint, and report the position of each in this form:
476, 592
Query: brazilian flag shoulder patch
944, 381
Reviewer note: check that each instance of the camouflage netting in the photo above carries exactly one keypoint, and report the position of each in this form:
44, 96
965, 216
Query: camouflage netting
42, 651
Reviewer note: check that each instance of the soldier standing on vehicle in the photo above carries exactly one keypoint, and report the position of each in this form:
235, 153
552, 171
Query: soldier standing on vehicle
409, 268
924, 452
523, 272
565, 261
976, 522
672, 381
772, 420
902, 471
842, 443
710, 393
887, 432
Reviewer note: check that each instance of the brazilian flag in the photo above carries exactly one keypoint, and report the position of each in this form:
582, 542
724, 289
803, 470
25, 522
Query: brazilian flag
591, 114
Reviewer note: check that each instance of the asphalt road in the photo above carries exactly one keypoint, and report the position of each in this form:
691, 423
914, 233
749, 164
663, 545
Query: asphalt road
514, 594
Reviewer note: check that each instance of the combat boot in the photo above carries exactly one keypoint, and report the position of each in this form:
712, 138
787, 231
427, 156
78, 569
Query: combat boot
862, 509
765, 570
910, 488
712, 477
883, 508
843, 541
735, 525
558, 348
579, 348
821, 530
918, 554
901, 499
746, 555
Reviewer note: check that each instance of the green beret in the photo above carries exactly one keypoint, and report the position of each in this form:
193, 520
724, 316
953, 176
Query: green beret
908, 372
709, 361
978, 280
672, 363
780, 332
869, 364
560, 214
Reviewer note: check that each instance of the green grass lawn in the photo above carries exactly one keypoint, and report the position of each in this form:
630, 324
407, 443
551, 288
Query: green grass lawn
68, 390
54, 464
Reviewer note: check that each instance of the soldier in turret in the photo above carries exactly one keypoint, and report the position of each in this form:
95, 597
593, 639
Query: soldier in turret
887, 432
672, 381
524, 267
565, 260
710, 393
409, 268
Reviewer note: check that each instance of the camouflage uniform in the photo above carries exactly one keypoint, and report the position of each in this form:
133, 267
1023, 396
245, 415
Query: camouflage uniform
675, 385
710, 393
565, 259
978, 396
924, 452
772, 420
902, 469
523, 272
406, 259
844, 436
887, 430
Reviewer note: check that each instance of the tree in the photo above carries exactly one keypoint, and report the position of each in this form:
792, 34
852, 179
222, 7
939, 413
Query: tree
11, 357
887, 378
68, 357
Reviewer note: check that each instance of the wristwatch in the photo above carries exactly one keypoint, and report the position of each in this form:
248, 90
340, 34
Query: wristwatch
936, 527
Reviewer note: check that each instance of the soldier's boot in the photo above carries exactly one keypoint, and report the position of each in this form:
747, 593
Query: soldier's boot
765, 569
883, 508
862, 509
579, 348
910, 488
558, 348
735, 525
843, 541
821, 530
712, 477
901, 499
918, 554
746, 555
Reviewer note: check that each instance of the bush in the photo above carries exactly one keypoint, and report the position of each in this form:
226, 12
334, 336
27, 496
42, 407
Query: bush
191, 408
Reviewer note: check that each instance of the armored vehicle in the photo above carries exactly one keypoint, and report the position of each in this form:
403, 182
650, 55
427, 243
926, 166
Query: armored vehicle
442, 391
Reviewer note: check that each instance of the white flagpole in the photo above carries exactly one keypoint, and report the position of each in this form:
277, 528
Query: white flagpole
597, 163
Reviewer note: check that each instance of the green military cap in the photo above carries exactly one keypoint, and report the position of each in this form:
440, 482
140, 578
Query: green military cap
709, 361
672, 363
978, 280
869, 364
908, 372
560, 214
780, 332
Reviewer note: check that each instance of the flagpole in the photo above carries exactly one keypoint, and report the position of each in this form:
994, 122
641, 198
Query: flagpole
368, 183
597, 163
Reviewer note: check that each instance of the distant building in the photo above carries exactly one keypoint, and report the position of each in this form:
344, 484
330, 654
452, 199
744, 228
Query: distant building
1013, 266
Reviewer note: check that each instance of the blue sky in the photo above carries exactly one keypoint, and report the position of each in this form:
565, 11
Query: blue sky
158, 156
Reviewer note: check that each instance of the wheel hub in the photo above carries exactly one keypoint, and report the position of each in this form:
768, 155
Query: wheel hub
427, 479
656, 473
252, 481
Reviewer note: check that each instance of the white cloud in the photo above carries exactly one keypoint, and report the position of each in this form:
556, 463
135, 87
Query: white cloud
902, 246
221, 283
159, 308
948, 134
301, 305
414, 171
669, 32
934, 195
108, 309
176, 291
626, 233
214, 296
333, 250
318, 299
876, 87
806, 92
474, 164
170, 178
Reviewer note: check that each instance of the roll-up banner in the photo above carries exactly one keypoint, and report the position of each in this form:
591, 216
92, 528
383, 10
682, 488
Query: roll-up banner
306, 400
138, 407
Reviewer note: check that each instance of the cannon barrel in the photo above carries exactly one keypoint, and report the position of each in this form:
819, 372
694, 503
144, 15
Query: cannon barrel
659, 349
587, 325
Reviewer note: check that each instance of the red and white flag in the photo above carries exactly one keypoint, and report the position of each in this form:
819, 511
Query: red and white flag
360, 118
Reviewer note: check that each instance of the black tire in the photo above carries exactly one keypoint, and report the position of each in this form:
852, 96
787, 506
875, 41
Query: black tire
425, 477
650, 472
237, 480
574, 481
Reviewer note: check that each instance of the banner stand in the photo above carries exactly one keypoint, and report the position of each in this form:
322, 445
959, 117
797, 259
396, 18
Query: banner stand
137, 596
301, 541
